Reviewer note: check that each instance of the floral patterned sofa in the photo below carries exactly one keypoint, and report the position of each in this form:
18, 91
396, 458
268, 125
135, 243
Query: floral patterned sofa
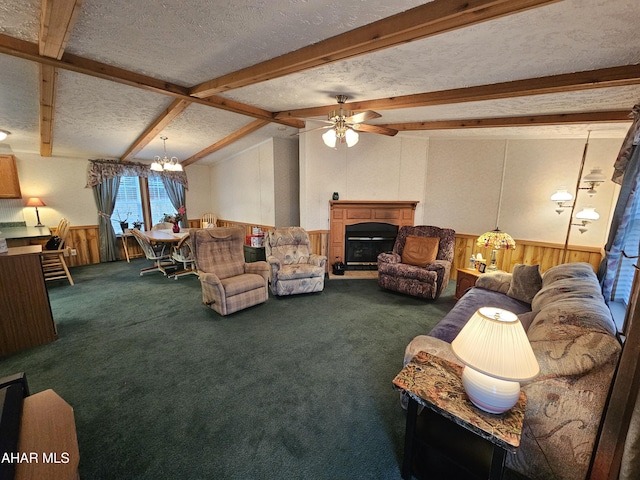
294, 268
574, 339
420, 263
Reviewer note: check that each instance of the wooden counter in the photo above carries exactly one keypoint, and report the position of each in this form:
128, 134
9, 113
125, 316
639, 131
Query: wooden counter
26, 320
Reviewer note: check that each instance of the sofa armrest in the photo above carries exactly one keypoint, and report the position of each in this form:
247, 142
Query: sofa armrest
496, 281
389, 258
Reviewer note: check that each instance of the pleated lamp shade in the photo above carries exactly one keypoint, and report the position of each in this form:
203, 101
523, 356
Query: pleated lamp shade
497, 356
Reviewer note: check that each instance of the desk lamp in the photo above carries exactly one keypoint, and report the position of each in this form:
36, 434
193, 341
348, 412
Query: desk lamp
36, 202
497, 356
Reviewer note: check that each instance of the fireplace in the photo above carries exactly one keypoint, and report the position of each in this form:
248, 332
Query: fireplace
365, 241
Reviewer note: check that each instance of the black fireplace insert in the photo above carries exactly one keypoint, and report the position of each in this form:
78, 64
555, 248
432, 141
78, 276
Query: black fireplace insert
365, 241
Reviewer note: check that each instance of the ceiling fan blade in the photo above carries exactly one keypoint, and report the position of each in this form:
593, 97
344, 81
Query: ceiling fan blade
364, 127
312, 130
363, 116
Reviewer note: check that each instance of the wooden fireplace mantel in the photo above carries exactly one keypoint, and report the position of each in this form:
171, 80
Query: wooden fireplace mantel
350, 212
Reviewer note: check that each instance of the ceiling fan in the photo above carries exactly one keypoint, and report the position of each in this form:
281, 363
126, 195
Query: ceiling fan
344, 126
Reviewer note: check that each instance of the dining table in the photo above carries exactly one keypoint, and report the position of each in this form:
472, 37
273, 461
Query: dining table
165, 235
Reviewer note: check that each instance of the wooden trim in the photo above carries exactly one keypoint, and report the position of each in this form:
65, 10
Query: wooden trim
56, 23
430, 19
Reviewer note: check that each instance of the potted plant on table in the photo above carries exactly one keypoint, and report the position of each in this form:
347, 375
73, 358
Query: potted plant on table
175, 218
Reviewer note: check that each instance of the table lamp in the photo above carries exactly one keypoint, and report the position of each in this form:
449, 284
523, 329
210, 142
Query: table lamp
36, 202
497, 356
495, 240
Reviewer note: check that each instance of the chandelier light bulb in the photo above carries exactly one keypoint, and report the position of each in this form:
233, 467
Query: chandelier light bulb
329, 138
352, 137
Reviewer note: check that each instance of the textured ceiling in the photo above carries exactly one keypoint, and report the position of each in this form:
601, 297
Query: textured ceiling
187, 43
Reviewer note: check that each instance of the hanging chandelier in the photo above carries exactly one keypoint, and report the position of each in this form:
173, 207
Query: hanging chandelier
167, 164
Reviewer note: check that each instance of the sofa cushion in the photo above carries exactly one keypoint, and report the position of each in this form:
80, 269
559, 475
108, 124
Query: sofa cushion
496, 281
526, 282
449, 327
565, 288
420, 251
567, 270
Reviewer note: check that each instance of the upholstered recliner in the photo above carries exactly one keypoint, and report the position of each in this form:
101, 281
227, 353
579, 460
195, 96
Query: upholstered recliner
294, 269
228, 283
420, 263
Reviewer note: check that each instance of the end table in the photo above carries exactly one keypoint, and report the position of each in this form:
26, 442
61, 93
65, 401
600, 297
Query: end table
435, 383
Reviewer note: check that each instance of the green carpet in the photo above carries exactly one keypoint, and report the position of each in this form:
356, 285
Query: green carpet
165, 388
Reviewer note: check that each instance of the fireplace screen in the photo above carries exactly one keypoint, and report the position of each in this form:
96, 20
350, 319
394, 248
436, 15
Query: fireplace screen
365, 241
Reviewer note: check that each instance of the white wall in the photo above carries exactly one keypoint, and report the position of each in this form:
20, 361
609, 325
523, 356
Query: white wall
242, 186
457, 181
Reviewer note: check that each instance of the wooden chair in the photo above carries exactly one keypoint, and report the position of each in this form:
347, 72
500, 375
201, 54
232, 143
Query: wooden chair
53, 263
158, 253
182, 253
208, 220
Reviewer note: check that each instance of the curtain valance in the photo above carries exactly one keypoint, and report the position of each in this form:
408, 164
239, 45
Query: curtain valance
100, 170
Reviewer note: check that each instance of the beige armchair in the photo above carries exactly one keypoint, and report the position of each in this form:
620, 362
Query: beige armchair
294, 268
228, 283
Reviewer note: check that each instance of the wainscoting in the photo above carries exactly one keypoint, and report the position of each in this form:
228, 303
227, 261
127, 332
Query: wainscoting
84, 239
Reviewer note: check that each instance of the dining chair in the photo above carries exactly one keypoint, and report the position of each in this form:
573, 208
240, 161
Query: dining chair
182, 253
158, 253
162, 226
53, 264
208, 220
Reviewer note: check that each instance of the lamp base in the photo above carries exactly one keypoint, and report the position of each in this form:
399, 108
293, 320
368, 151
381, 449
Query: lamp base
490, 394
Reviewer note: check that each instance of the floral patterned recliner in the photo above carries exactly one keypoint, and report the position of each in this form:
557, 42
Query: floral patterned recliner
426, 281
294, 268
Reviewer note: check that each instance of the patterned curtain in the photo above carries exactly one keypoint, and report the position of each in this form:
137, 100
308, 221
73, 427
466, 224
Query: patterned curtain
104, 177
105, 196
627, 173
176, 193
100, 170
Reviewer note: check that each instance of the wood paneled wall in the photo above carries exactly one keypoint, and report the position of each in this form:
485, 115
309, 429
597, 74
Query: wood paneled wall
84, 239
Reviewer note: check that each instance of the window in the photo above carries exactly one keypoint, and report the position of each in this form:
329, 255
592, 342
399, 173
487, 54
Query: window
128, 203
141, 199
159, 200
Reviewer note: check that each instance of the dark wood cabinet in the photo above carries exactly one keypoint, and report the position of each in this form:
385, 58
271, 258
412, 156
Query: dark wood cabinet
26, 319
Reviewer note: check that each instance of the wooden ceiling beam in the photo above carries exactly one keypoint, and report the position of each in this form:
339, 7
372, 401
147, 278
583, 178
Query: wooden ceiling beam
228, 140
438, 16
56, 22
174, 110
523, 121
567, 82
48, 75
29, 51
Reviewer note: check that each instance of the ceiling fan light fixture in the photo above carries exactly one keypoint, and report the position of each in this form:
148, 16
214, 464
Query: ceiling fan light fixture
4, 134
329, 138
352, 137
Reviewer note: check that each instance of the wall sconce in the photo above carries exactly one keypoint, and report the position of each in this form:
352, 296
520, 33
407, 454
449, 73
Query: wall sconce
586, 216
561, 197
